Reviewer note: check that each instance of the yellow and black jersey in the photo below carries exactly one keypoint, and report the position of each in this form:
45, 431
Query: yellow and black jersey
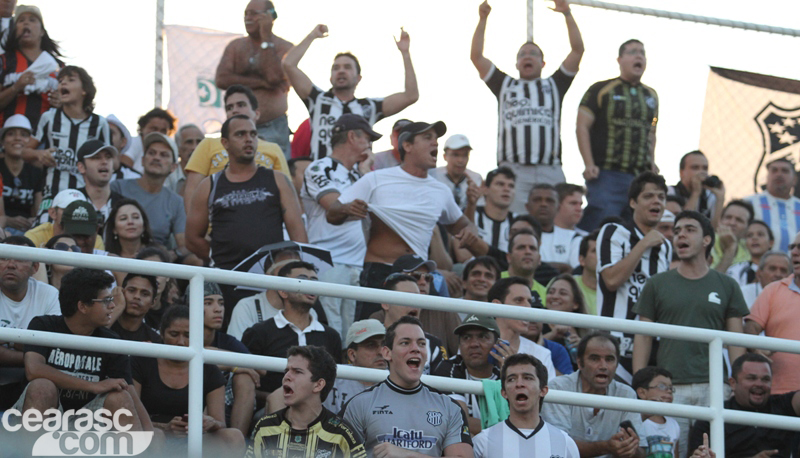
328, 436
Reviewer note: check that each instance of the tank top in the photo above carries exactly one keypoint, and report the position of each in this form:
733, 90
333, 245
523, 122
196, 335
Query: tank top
244, 216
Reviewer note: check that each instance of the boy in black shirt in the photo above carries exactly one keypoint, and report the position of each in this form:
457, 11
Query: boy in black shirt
140, 293
74, 379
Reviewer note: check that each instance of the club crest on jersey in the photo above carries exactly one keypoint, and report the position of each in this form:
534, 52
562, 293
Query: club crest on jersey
780, 130
434, 418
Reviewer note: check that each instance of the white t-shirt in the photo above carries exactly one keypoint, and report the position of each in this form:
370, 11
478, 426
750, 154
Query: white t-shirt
558, 246
662, 438
41, 299
135, 152
345, 242
539, 352
409, 205
459, 190
751, 292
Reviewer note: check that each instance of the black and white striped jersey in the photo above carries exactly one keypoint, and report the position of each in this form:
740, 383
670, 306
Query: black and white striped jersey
57, 130
324, 109
614, 243
493, 232
506, 440
529, 116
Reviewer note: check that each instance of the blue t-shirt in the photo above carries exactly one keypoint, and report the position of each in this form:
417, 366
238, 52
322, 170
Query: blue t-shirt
165, 211
560, 356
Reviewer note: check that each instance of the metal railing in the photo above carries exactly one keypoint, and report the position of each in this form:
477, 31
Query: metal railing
197, 355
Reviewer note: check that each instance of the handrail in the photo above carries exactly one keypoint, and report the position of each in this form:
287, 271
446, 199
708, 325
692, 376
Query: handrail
197, 356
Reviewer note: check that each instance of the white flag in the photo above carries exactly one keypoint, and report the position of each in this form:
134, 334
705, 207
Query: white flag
193, 54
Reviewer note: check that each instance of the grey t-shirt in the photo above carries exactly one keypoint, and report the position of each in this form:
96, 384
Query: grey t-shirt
164, 209
343, 390
580, 422
420, 419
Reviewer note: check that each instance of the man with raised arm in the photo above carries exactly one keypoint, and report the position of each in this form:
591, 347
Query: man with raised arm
528, 138
325, 107
254, 61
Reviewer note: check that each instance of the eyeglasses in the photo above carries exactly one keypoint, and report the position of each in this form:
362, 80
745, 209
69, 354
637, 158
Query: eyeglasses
61, 246
106, 301
662, 387
419, 275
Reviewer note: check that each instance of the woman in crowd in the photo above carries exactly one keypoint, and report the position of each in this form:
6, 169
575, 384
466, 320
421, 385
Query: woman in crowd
564, 294
61, 242
127, 231
163, 387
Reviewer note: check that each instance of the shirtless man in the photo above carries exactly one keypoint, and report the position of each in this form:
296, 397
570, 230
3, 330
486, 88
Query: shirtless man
405, 207
255, 61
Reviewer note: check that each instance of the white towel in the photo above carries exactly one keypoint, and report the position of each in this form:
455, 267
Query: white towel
42, 68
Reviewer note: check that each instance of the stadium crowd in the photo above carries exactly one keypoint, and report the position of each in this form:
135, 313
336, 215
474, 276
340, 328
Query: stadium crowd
74, 180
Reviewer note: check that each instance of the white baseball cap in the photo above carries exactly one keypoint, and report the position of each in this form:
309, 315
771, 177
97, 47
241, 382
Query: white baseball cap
66, 197
667, 217
125, 132
16, 121
457, 141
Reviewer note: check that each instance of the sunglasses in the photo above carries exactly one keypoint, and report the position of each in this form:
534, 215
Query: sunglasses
61, 246
419, 275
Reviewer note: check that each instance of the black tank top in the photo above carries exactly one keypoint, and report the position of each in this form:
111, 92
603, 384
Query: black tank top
243, 216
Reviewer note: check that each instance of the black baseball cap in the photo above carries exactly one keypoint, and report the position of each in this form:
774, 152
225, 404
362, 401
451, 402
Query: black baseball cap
351, 121
410, 130
92, 147
411, 262
80, 218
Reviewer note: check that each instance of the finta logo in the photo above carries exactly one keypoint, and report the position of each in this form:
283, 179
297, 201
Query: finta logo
382, 410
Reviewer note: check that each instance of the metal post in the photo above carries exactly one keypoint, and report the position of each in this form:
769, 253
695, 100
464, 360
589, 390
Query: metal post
196, 366
530, 20
716, 401
159, 77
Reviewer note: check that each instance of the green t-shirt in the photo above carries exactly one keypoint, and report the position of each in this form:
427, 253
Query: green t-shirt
707, 303
589, 295
536, 288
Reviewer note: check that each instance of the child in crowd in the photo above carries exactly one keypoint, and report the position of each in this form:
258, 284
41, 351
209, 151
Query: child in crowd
662, 433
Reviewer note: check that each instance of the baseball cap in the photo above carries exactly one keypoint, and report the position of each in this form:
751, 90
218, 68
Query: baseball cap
363, 330
400, 123
351, 121
92, 147
16, 121
66, 197
125, 132
410, 263
419, 127
667, 217
80, 218
158, 137
477, 321
457, 141
34, 10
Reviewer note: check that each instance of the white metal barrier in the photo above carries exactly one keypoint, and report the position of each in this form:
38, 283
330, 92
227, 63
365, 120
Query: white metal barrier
197, 355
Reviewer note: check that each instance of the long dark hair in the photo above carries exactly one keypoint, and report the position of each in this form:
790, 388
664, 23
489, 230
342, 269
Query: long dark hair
47, 44
112, 244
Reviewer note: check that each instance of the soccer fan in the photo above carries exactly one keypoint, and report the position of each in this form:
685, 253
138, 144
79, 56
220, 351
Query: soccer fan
600, 434
62, 131
777, 206
139, 291
731, 246
479, 276
758, 240
401, 415
391, 158
40, 234
529, 144
121, 140
559, 246
155, 120
325, 107
570, 207
774, 266
524, 384
616, 131
493, 219
187, 137
254, 61
587, 280
524, 259
96, 166
702, 193
305, 427
462, 182
22, 182
630, 253
662, 433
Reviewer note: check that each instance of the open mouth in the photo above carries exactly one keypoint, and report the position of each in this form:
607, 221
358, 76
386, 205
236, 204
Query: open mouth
287, 391
638, 65
603, 378
103, 170
414, 313
64, 91
414, 363
682, 245
434, 153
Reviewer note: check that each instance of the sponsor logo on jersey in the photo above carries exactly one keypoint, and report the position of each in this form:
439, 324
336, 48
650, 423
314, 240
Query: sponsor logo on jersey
382, 410
411, 439
434, 417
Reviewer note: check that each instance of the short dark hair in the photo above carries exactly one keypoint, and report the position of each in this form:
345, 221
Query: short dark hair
158, 113
540, 186
173, 313
638, 184
770, 234
685, 156
584, 248
485, 261
522, 232
604, 335
531, 43
704, 222
320, 363
293, 163
150, 251
226, 126
623, 45
565, 190
350, 55
151, 279
737, 365
81, 285
391, 282
290, 266
18, 240
240, 89
86, 82
781, 159
537, 228
503, 170
499, 291
645, 375
521, 359
391, 331
744, 204
677, 198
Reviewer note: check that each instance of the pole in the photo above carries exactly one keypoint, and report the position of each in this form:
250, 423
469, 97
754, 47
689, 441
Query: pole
196, 366
530, 20
716, 401
159, 77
